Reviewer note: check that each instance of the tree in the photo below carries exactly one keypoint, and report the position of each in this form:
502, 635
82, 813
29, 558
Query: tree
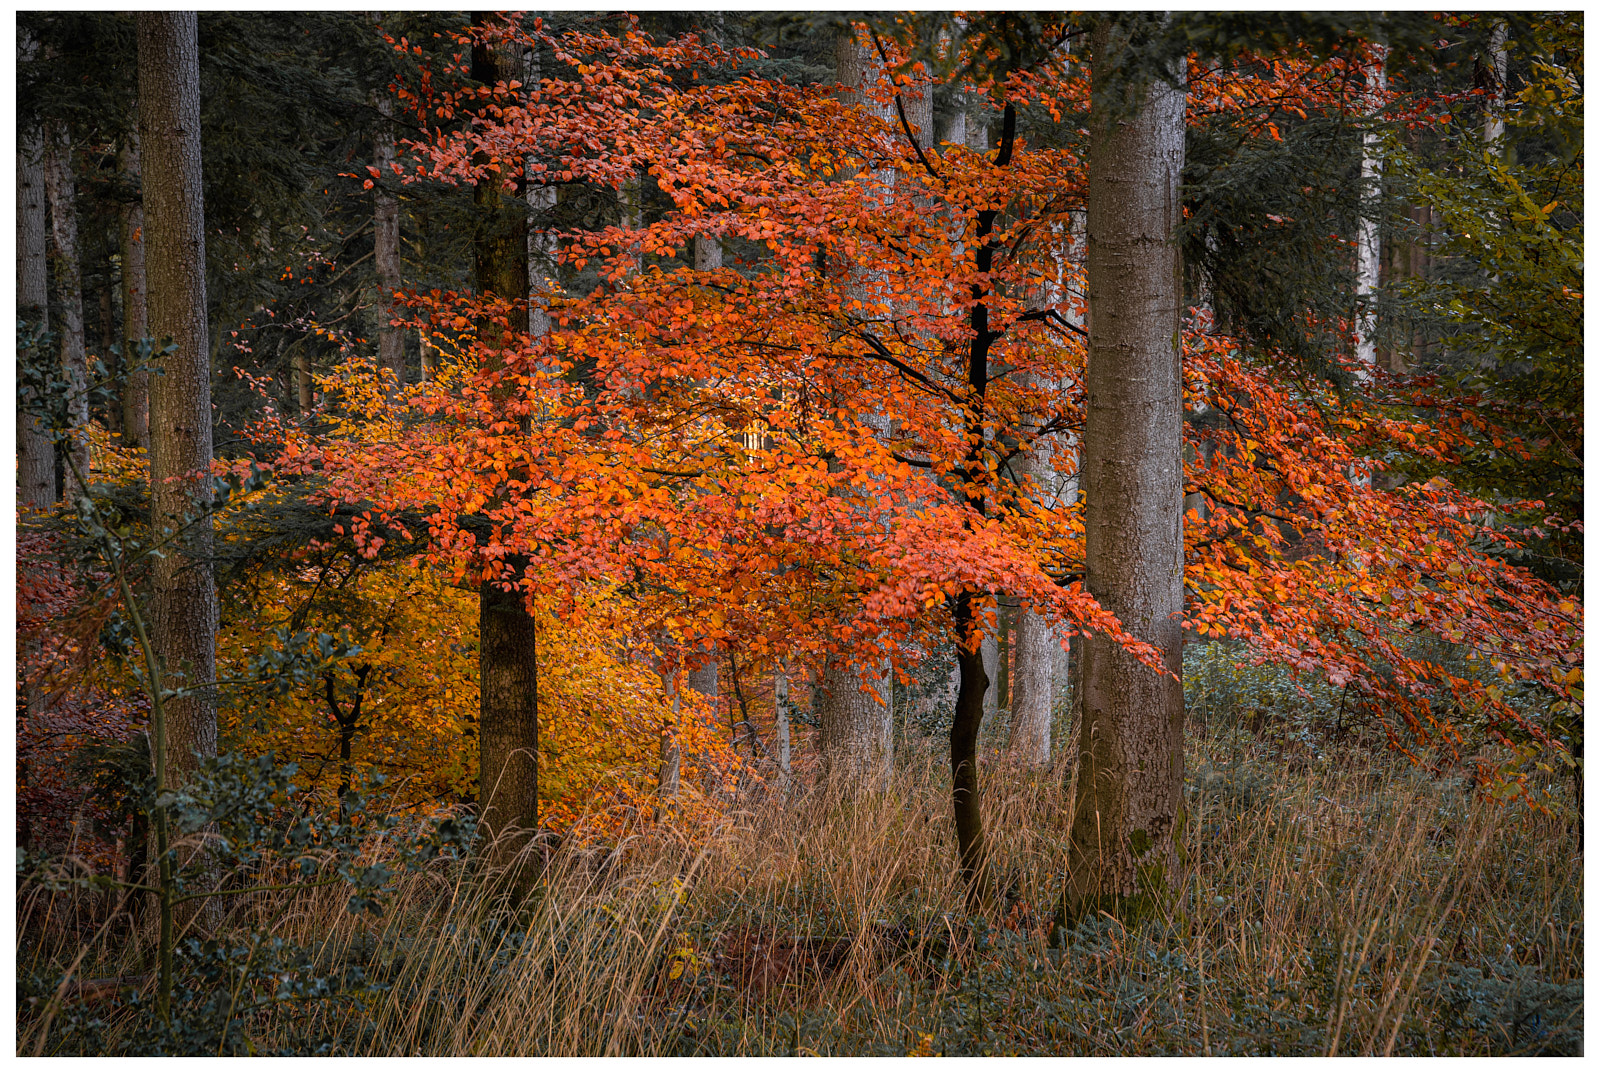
184, 606
61, 190
36, 477
135, 311
1128, 808
508, 666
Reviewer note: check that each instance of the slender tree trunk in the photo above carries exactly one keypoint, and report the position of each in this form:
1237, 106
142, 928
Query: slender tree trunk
1368, 249
135, 314
386, 246
36, 465
184, 602
1129, 790
1494, 120
108, 344
543, 281
508, 720
780, 717
303, 396
61, 188
669, 774
966, 797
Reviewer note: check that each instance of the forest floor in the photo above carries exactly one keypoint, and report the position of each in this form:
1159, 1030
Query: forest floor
1345, 902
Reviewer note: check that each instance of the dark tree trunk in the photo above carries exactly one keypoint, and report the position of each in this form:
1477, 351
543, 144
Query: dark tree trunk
184, 604
966, 794
135, 314
386, 246
36, 465
1129, 786
62, 190
508, 706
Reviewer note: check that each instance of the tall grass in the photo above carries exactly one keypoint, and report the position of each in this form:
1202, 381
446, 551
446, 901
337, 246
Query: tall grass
1356, 906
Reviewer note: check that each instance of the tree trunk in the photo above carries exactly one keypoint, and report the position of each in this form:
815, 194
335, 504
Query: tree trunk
1368, 249
669, 774
1494, 119
36, 464
135, 315
971, 845
1129, 790
857, 734
857, 728
543, 283
305, 400
386, 246
184, 602
1033, 689
61, 188
108, 344
780, 717
508, 723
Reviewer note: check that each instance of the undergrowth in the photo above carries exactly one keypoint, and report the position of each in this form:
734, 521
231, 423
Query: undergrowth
1349, 904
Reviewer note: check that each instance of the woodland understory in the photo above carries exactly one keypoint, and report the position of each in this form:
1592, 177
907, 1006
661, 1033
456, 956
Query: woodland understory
759, 533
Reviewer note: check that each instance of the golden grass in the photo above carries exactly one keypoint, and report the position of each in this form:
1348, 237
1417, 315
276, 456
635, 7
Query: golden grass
1357, 907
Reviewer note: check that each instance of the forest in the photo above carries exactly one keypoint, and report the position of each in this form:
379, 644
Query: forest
816, 534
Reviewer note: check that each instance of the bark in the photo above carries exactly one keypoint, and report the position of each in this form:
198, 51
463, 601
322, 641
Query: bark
184, 602
966, 797
1129, 790
1494, 122
304, 398
671, 768
61, 189
857, 734
543, 281
386, 246
1368, 249
780, 715
1033, 691
36, 465
135, 313
703, 681
508, 723
427, 361
108, 343
971, 845
857, 727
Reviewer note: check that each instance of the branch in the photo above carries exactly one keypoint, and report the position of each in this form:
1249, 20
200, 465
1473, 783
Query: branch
900, 107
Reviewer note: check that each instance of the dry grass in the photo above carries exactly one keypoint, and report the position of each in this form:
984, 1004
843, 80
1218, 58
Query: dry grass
1356, 907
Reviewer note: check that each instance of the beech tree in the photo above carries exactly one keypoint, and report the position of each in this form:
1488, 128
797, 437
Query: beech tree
508, 719
1127, 811
183, 598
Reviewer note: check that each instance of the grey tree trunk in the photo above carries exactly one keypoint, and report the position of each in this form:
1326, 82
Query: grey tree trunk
1494, 119
780, 716
62, 191
184, 602
1129, 789
386, 246
669, 774
1368, 250
541, 196
135, 313
857, 727
508, 705
857, 732
36, 465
